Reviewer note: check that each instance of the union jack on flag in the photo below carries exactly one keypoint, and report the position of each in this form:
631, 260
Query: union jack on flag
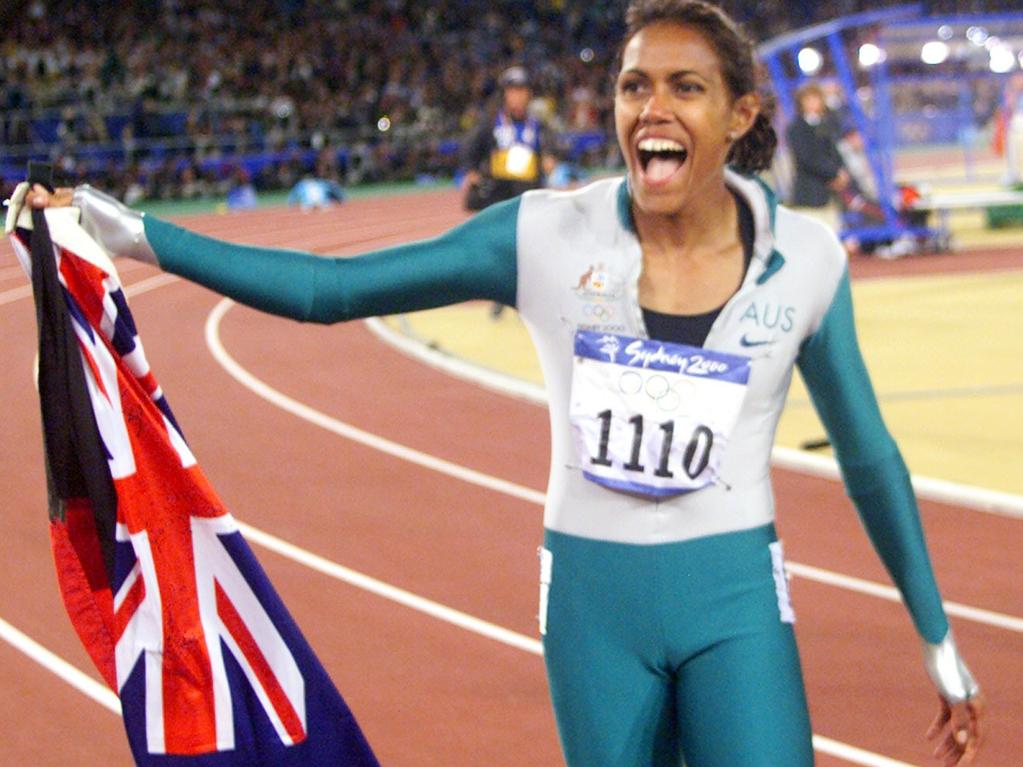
164, 592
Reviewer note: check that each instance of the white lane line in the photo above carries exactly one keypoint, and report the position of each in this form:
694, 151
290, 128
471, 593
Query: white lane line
489, 482
150, 283
942, 491
57, 665
917, 395
348, 431
891, 594
125, 265
393, 593
11, 272
142, 286
15, 294
853, 754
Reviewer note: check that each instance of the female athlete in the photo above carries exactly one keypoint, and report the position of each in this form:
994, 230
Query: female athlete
668, 309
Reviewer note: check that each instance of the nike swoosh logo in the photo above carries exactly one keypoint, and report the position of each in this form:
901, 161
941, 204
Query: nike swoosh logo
748, 343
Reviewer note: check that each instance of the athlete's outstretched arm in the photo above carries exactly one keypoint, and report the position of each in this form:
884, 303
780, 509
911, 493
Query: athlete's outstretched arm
474, 260
879, 484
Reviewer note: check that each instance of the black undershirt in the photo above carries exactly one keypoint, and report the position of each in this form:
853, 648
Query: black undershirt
692, 329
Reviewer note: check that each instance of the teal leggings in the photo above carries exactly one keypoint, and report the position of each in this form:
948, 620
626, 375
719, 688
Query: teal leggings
671, 652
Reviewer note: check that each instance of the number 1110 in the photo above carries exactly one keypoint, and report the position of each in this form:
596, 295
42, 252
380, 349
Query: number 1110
694, 459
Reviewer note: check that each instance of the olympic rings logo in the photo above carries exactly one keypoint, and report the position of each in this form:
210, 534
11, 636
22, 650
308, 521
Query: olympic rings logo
599, 311
656, 387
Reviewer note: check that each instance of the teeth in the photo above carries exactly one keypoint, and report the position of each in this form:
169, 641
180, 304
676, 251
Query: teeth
660, 145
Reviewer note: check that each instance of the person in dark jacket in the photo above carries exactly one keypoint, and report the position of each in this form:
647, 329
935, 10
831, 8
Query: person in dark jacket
509, 152
820, 173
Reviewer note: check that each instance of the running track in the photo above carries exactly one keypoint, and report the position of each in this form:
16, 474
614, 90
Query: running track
428, 692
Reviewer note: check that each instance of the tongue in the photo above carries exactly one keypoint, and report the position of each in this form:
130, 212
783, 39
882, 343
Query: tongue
660, 168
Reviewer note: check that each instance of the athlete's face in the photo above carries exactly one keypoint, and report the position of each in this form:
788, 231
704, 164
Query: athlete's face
675, 116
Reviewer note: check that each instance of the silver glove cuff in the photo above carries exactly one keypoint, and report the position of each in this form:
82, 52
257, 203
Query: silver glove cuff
949, 673
117, 229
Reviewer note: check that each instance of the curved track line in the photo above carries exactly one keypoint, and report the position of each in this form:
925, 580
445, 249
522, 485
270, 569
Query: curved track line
142, 286
286, 403
853, 754
891, 594
393, 593
57, 665
15, 294
348, 431
942, 491
150, 283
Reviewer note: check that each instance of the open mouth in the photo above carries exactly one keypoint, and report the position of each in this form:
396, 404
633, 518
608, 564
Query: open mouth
660, 158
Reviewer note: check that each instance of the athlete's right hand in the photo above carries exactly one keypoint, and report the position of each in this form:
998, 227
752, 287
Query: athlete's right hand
34, 196
40, 197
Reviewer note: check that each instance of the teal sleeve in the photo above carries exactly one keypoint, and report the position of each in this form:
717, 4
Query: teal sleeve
474, 260
875, 475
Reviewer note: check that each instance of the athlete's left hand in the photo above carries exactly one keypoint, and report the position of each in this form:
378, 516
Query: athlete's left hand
958, 730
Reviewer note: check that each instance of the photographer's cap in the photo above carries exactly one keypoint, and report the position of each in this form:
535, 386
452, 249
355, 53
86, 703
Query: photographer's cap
514, 77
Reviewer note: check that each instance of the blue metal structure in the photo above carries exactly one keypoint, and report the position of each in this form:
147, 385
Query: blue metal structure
780, 57
907, 24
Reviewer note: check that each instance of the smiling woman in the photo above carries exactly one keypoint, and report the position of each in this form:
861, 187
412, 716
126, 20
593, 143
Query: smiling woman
664, 608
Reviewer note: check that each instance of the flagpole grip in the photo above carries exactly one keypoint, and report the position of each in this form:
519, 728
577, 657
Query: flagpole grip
40, 173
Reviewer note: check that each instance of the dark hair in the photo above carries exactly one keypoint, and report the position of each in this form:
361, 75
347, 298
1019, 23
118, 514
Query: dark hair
737, 58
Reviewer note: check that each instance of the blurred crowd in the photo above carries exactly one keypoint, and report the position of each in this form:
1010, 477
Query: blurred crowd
346, 89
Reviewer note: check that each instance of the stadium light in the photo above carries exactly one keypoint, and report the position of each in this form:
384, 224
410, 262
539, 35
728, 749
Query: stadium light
870, 55
384, 124
586, 55
1002, 59
934, 52
945, 32
810, 61
976, 35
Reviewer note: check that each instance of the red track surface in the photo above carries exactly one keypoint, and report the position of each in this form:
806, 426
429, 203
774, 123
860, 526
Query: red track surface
428, 693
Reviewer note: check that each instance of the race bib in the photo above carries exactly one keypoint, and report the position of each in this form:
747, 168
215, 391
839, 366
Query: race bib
651, 417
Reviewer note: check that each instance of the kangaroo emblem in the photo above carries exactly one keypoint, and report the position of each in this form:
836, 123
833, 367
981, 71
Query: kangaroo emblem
585, 278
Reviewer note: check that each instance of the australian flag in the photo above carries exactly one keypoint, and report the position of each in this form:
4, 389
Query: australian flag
164, 592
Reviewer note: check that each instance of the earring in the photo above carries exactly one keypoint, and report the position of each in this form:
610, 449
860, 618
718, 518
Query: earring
732, 135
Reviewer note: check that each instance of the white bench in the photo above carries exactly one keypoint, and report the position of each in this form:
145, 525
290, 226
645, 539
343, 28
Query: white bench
959, 200
944, 204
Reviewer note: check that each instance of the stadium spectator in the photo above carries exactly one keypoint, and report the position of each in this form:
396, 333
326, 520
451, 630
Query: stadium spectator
820, 173
198, 74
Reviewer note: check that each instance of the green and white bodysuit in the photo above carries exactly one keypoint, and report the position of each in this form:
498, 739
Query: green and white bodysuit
663, 599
